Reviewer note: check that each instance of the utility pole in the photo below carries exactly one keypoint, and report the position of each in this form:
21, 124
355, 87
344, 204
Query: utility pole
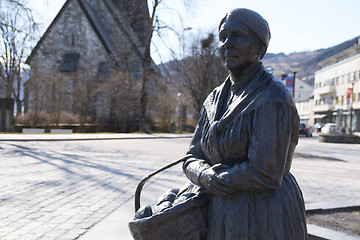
351, 106
180, 94
293, 93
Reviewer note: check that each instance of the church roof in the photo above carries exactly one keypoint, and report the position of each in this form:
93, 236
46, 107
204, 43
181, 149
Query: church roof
100, 30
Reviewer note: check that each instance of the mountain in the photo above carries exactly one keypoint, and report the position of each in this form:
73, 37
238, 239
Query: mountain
306, 63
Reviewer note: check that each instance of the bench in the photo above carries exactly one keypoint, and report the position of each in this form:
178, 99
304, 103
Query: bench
61, 131
33, 130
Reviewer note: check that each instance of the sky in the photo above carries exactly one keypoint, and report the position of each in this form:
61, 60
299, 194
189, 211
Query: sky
295, 26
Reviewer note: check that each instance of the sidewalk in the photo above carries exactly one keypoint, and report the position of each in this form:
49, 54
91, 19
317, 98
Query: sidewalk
317, 196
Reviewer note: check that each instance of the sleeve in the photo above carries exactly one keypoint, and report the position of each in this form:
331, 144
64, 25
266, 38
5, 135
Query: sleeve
196, 163
271, 139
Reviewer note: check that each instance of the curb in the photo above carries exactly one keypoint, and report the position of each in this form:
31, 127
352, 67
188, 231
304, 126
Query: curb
305, 155
65, 137
321, 233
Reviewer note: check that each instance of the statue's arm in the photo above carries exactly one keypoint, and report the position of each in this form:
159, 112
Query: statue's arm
199, 171
195, 163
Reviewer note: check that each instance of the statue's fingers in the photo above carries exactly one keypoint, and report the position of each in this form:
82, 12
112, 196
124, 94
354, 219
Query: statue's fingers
221, 181
220, 167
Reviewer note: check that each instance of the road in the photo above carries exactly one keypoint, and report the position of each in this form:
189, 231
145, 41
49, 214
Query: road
347, 152
61, 189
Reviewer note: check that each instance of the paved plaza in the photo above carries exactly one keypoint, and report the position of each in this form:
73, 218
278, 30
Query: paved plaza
85, 189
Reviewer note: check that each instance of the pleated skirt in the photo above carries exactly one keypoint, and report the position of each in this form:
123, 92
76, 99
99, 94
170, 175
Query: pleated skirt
271, 215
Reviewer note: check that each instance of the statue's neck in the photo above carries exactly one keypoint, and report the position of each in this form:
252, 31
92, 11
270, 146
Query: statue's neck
244, 77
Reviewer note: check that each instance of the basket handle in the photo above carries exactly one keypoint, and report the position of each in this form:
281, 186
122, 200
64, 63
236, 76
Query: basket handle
142, 183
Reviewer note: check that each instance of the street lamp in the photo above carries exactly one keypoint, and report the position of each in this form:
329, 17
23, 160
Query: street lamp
351, 105
182, 42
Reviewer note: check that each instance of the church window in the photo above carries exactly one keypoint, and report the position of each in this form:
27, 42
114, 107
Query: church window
69, 62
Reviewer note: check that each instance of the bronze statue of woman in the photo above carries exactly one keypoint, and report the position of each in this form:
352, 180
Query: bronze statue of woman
242, 148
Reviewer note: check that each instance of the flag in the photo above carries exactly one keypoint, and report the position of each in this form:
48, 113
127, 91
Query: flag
348, 97
289, 83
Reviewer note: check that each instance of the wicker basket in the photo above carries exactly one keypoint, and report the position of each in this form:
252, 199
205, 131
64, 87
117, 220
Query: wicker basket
187, 220
184, 221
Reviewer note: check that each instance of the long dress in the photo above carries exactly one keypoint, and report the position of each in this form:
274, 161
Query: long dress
254, 129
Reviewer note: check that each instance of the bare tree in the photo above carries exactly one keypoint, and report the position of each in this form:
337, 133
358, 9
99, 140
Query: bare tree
60, 97
16, 28
84, 97
203, 70
35, 95
155, 25
165, 102
123, 94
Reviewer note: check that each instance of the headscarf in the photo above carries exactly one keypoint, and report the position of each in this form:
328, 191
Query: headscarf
255, 23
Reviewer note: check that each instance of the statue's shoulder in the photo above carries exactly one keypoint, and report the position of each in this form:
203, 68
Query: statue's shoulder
215, 93
277, 91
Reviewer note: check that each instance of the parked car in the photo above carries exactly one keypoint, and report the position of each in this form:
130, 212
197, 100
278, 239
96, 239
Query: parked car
317, 127
304, 130
329, 128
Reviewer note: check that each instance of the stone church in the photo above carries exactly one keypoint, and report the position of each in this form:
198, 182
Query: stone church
88, 63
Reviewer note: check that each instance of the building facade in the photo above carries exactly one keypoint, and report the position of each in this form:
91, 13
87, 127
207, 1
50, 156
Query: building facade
337, 90
88, 62
304, 98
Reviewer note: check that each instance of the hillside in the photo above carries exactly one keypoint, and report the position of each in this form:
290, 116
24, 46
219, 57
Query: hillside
303, 63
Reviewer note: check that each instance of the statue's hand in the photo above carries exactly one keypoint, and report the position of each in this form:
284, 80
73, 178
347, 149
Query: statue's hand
215, 184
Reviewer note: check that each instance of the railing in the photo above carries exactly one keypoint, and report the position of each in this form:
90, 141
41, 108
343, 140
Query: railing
323, 107
324, 90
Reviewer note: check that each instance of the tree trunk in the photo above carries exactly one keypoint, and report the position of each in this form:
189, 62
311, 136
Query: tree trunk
18, 107
144, 124
146, 67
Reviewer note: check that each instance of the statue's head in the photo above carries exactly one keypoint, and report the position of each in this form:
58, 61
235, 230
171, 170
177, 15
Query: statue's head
244, 37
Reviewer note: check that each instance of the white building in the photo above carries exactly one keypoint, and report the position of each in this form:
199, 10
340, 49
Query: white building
333, 86
303, 96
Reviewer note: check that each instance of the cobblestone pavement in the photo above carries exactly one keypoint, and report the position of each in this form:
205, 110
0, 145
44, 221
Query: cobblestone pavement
53, 190
326, 182
60, 194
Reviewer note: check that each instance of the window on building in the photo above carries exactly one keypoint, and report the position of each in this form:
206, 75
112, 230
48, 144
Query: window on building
349, 77
103, 68
337, 80
329, 82
69, 62
343, 79
355, 75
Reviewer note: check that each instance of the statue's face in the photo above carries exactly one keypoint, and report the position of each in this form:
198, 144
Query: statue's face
238, 48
